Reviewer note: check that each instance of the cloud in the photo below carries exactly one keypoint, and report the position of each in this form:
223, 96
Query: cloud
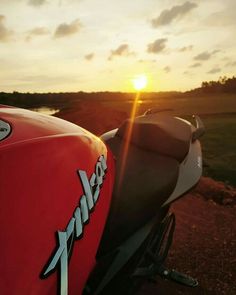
5, 33
89, 56
37, 2
203, 56
64, 30
147, 61
231, 64
167, 69
196, 65
216, 51
206, 55
214, 70
38, 31
186, 48
188, 74
122, 50
225, 16
157, 46
176, 12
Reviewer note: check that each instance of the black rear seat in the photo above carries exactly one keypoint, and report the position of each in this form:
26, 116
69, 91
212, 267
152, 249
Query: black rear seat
159, 133
158, 144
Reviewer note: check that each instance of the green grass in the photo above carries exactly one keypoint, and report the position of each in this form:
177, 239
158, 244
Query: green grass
181, 104
219, 147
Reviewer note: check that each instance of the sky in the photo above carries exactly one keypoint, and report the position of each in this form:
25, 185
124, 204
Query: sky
89, 45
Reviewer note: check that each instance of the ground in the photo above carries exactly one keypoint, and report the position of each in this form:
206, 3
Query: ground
205, 239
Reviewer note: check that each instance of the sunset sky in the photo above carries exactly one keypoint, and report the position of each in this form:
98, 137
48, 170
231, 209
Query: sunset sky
89, 45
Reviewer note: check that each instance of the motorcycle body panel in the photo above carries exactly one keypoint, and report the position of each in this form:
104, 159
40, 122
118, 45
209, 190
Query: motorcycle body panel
39, 192
190, 171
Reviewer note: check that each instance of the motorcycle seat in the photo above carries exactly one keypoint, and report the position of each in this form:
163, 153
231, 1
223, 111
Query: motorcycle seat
170, 136
139, 191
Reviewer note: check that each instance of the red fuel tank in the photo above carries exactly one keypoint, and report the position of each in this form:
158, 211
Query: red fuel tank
56, 182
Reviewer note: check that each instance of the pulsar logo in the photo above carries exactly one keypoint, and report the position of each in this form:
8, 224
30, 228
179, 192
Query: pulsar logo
74, 229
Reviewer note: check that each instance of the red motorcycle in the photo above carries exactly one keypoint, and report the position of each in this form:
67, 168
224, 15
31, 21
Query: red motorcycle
88, 215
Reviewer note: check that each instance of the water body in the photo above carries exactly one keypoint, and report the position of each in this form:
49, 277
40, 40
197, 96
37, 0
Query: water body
46, 110
140, 101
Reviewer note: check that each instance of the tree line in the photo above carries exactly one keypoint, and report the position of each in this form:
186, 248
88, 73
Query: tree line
64, 100
224, 84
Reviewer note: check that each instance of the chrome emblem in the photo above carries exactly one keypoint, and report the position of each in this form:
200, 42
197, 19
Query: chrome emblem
74, 229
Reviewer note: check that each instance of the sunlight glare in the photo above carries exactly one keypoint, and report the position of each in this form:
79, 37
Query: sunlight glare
140, 82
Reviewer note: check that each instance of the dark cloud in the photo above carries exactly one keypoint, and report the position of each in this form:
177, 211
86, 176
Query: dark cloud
167, 69
5, 33
203, 56
157, 46
89, 56
214, 70
64, 30
37, 2
206, 55
38, 31
122, 50
196, 65
168, 15
186, 48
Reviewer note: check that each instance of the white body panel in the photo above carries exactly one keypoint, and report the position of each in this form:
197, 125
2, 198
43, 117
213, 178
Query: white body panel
190, 172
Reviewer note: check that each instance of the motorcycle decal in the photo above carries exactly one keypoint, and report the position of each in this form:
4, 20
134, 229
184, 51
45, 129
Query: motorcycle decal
5, 129
74, 229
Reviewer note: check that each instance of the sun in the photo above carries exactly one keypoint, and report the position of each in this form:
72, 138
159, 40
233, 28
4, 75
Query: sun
140, 82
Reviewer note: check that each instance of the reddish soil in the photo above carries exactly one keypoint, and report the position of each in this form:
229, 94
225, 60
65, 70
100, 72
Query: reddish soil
205, 243
205, 239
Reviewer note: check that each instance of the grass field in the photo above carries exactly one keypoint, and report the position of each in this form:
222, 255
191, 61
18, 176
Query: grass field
219, 147
184, 105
